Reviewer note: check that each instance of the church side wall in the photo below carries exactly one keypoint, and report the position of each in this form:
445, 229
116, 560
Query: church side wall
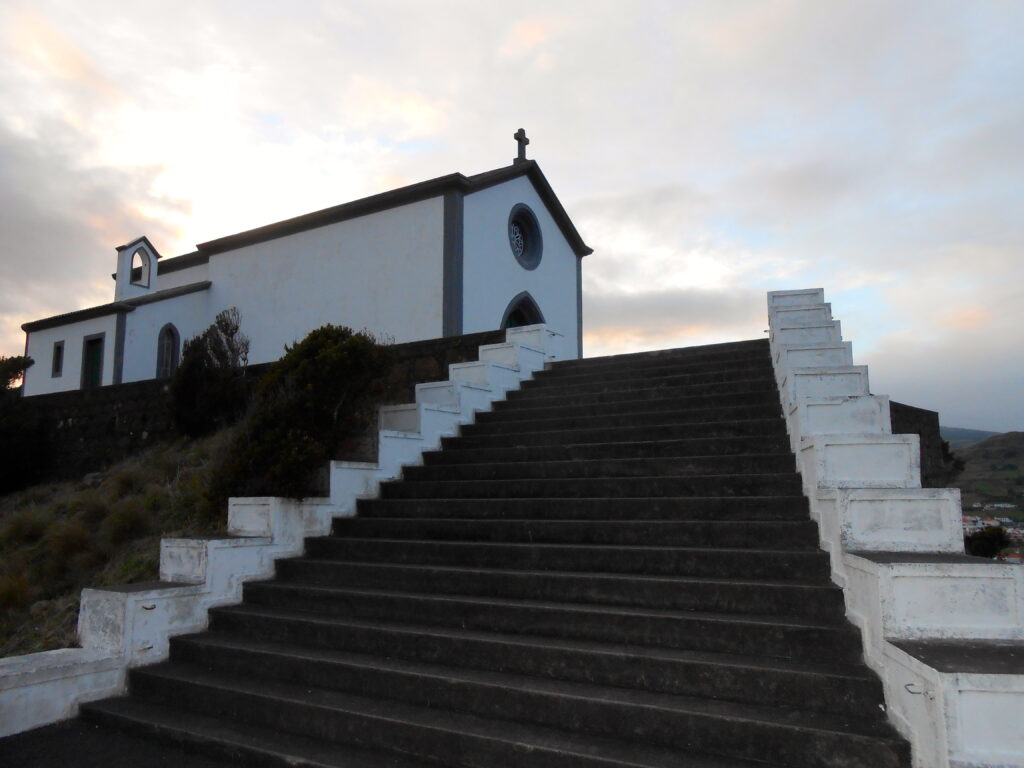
38, 380
178, 278
491, 275
382, 272
190, 314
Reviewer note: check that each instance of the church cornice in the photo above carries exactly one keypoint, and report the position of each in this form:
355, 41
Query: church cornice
125, 305
398, 197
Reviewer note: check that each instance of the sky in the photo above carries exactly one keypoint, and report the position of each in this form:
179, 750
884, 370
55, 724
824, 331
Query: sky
707, 151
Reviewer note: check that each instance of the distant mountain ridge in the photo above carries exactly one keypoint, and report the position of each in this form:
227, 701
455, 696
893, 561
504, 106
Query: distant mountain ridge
959, 437
994, 472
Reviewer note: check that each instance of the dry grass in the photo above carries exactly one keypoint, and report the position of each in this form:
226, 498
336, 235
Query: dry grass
57, 538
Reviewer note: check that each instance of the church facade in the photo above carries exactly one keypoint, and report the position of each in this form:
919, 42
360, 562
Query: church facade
452, 255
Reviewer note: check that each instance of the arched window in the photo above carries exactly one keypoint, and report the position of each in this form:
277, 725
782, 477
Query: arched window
140, 268
167, 346
522, 310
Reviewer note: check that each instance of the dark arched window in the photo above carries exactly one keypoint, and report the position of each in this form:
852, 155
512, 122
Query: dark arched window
167, 345
522, 310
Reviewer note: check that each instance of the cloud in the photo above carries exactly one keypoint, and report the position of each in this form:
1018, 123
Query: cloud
708, 151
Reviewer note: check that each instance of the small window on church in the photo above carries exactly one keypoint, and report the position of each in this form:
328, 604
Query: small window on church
168, 344
57, 368
140, 268
524, 236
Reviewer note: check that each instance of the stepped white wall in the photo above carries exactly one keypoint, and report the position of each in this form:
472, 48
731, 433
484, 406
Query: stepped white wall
897, 548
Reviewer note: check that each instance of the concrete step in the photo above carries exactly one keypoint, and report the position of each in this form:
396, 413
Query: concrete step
710, 673
782, 564
802, 534
627, 401
820, 602
742, 367
778, 463
234, 742
794, 507
656, 432
646, 721
509, 422
689, 384
464, 654
698, 448
725, 394
789, 637
781, 484
509, 695
709, 353
413, 731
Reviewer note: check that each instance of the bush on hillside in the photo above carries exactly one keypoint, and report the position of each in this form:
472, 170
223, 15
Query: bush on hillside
988, 542
23, 443
209, 390
322, 392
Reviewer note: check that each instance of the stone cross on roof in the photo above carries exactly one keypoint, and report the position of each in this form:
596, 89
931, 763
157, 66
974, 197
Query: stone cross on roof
520, 137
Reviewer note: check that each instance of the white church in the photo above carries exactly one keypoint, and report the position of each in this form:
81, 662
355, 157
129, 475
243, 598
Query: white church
452, 255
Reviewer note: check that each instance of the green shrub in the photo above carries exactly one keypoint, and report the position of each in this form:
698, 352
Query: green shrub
324, 390
209, 391
24, 448
988, 542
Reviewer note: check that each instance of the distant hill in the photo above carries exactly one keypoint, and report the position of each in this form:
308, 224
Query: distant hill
959, 438
994, 472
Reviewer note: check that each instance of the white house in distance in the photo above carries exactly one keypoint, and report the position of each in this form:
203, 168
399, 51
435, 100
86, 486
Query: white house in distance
444, 257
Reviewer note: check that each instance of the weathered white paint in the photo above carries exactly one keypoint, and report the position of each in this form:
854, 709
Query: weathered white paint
124, 288
406, 431
862, 482
801, 316
40, 348
197, 273
190, 314
907, 600
891, 519
382, 272
798, 298
491, 274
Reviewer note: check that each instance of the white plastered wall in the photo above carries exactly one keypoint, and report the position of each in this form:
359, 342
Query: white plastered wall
178, 278
382, 272
40, 348
491, 275
190, 314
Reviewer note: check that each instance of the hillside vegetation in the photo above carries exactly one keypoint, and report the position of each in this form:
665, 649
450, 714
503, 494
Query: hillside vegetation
105, 529
56, 539
960, 438
994, 472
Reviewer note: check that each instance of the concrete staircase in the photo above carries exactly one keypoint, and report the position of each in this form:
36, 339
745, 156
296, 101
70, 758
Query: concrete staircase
614, 567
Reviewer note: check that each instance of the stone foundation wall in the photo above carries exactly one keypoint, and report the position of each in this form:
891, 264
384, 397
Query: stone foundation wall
91, 429
907, 420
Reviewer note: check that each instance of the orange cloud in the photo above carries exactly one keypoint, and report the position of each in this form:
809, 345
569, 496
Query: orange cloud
968, 319
527, 34
49, 50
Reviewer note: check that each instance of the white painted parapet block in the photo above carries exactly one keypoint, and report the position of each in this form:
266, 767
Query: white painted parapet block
853, 414
441, 407
897, 551
800, 316
822, 333
932, 596
861, 461
891, 519
124, 626
963, 700
797, 298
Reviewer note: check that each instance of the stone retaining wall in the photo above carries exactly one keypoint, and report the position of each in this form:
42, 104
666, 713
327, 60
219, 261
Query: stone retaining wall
91, 429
